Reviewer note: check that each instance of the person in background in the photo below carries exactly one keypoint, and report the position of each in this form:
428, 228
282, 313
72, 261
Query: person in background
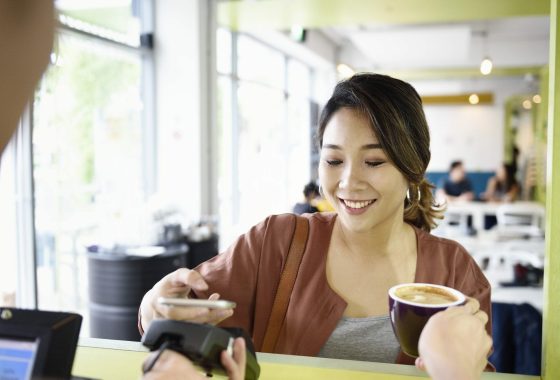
502, 187
310, 193
456, 187
374, 150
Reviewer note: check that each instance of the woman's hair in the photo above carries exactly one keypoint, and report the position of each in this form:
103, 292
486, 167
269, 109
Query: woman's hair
394, 110
509, 180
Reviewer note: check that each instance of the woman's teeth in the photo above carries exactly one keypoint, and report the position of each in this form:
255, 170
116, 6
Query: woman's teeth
358, 204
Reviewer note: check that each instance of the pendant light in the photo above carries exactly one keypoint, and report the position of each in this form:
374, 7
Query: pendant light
486, 64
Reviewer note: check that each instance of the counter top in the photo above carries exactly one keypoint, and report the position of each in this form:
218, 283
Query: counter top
122, 360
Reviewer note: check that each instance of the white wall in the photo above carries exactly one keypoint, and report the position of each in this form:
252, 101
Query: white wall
474, 134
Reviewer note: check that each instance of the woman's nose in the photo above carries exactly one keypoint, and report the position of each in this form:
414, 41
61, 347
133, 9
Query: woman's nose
351, 178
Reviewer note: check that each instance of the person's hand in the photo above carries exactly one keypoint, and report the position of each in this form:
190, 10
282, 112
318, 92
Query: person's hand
172, 365
235, 365
26, 39
179, 284
454, 343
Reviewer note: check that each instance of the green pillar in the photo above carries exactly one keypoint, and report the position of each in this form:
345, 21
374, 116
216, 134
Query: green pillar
551, 312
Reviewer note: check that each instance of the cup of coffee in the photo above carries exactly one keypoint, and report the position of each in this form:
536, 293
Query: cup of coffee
410, 307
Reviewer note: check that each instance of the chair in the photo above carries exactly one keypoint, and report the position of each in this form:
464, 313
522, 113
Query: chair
454, 224
520, 220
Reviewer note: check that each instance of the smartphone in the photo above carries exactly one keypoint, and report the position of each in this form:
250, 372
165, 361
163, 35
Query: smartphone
189, 302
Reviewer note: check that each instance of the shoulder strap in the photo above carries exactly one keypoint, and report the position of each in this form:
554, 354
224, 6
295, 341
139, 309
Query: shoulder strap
286, 284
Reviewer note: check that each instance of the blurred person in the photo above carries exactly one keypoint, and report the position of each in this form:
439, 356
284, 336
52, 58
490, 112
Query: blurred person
374, 150
502, 187
456, 187
310, 194
26, 38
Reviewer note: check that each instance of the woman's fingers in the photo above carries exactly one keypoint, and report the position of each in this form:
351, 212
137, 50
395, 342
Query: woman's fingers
194, 314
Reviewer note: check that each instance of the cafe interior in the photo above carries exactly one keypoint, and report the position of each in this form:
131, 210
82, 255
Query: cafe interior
162, 130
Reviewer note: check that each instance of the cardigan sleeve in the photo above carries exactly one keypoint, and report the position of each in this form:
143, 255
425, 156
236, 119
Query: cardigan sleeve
248, 273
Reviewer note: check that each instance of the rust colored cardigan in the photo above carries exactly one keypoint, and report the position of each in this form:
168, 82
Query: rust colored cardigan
248, 273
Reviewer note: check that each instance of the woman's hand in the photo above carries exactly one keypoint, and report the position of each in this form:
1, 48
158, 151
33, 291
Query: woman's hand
179, 284
454, 343
172, 365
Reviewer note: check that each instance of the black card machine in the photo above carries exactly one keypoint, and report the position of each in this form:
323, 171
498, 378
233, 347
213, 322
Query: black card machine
37, 344
201, 343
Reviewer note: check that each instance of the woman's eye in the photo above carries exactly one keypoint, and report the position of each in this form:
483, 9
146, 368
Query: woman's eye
333, 162
374, 163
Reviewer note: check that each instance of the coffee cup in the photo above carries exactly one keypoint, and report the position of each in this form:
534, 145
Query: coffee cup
412, 304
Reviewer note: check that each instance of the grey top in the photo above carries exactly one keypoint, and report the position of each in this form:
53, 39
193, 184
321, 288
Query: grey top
367, 339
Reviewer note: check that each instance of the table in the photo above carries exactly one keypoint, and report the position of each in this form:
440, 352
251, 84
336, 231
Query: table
479, 210
122, 360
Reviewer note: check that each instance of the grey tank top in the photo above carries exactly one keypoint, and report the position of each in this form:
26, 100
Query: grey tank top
367, 339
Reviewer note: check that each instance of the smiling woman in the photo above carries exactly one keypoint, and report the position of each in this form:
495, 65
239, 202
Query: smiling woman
377, 238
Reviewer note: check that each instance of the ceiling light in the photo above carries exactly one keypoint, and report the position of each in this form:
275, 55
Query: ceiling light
486, 66
527, 104
344, 71
473, 99
537, 98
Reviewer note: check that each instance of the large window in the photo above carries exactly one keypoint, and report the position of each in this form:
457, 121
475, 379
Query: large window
86, 163
87, 153
264, 128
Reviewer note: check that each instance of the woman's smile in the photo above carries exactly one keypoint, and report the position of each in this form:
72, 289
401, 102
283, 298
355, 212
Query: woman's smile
355, 207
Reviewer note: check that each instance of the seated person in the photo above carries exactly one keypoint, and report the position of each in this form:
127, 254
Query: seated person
502, 187
310, 193
457, 187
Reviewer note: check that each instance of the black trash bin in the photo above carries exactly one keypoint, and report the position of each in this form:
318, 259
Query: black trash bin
201, 250
117, 283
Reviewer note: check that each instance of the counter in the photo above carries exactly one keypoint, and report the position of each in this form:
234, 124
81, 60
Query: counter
122, 360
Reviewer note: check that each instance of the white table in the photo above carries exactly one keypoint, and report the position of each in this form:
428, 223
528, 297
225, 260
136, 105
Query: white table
479, 210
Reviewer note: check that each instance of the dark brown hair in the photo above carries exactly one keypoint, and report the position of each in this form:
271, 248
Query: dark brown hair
394, 110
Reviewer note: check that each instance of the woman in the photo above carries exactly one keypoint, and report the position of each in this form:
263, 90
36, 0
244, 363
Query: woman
502, 187
374, 143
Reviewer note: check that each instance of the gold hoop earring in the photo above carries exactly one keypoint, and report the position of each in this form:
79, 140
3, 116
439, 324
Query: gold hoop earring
418, 196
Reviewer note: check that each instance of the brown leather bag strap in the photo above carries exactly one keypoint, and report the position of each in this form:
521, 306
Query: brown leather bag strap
286, 284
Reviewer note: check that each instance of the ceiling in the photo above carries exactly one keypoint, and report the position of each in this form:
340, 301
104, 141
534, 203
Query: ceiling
509, 42
411, 35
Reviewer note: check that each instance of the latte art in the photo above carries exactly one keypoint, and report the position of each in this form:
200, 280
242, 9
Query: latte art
425, 295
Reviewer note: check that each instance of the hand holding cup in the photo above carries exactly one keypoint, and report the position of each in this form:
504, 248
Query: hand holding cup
410, 307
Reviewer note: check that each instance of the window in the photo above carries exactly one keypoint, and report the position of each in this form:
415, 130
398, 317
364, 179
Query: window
90, 152
264, 132
87, 154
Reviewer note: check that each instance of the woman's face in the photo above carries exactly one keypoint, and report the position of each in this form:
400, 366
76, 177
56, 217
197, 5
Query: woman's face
363, 186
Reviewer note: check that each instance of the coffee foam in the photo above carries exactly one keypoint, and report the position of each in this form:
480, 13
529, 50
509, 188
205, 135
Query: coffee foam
426, 295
